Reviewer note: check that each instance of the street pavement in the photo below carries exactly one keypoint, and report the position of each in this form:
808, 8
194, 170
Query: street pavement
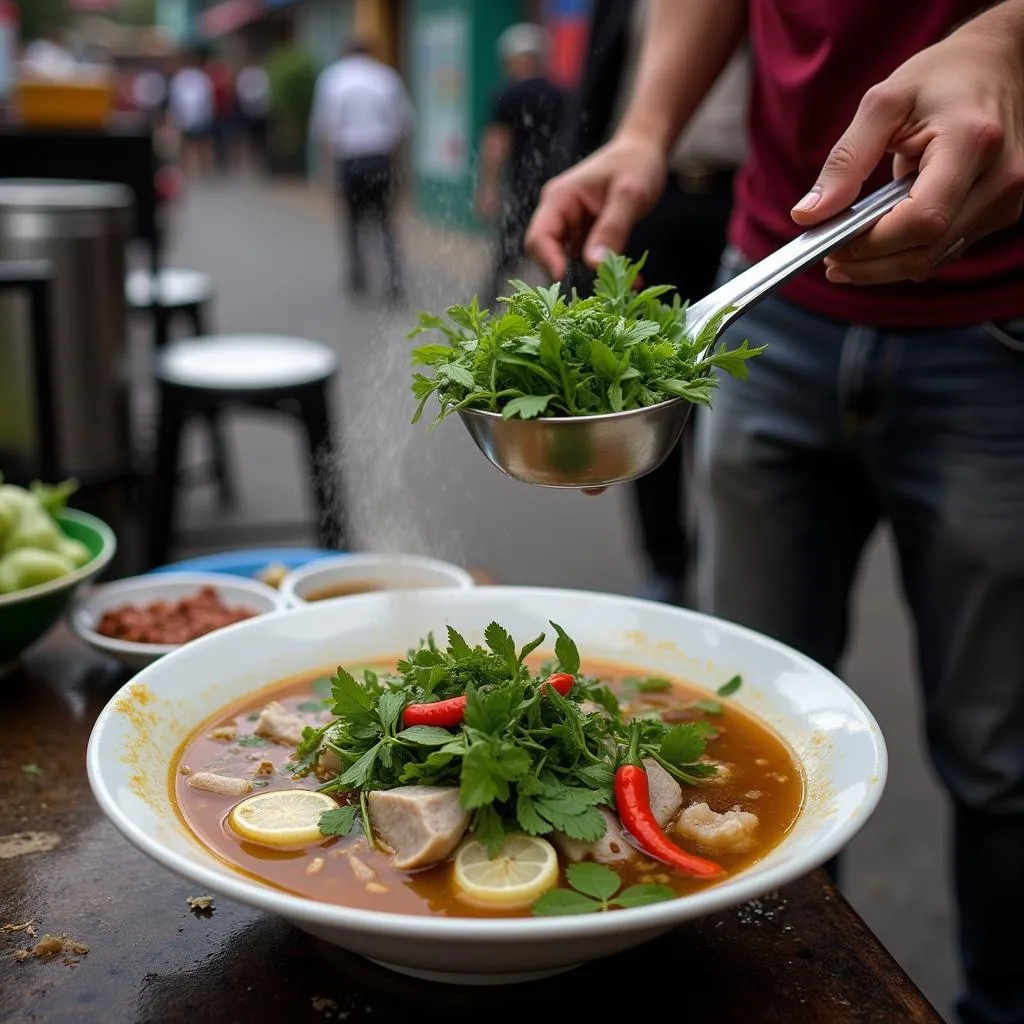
272, 250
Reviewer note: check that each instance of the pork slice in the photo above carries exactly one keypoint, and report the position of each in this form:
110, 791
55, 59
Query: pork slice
421, 824
223, 784
611, 848
279, 724
733, 831
666, 795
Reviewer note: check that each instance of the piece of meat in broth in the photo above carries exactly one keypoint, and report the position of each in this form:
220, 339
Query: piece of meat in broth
666, 795
733, 831
279, 724
421, 824
223, 784
613, 847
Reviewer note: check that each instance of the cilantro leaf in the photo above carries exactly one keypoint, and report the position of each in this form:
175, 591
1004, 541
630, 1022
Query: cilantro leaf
709, 707
252, 740
389, 709
487, 769
349, 697
642, 895
528, 816
501, 643
593, 880
729, 688
311, 706
457, 646
526, 407
563, 901
653, 684
425, 736
488, 828
339, 822
358, 773
565, 651
528, 649
684, 744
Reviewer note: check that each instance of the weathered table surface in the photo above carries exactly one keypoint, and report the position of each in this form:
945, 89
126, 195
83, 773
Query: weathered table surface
801, 955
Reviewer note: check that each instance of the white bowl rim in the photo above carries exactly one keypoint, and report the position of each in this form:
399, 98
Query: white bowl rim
460, 577
93, 567
132, 585
666, 915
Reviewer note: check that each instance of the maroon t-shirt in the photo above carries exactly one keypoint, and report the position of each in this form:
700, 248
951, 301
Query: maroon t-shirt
814, 60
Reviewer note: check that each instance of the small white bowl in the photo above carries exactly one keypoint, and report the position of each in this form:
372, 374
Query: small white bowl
385, 571
88, 608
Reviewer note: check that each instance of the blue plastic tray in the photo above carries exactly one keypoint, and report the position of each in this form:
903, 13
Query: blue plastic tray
249, 561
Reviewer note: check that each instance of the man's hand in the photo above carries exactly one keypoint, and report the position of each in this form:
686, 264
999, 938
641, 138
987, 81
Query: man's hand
955, 111
592, 207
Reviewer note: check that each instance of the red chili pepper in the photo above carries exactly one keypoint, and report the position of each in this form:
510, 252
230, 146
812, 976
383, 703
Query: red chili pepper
632, 798
442, 713
448, 713
560, 681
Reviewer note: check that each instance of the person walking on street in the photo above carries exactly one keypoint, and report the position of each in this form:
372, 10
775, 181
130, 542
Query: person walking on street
900, 401
683, 238
191, 111
253, 88
519, 144
361, 115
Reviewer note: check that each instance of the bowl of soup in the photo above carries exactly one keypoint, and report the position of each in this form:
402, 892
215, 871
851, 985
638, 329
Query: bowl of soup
366, 572
490, 784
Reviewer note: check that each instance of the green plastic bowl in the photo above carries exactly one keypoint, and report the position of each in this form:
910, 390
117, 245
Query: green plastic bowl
28, 614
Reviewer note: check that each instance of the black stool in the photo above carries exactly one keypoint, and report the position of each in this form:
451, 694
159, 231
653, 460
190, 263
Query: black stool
206, 375
169, 293
174, 293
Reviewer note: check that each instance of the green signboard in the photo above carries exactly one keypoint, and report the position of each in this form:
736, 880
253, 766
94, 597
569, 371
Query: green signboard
455, 71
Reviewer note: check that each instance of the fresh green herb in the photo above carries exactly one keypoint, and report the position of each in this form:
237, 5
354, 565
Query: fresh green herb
709, 707
339, 822
652, 684
32, 769
729, 688
594, 889
548, 355
312, 706
524, 758
252, 740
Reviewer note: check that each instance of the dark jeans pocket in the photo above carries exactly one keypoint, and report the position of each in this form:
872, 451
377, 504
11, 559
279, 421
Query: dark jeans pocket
1008, 333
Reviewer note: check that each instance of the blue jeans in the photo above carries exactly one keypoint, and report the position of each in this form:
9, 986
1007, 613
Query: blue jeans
838, 427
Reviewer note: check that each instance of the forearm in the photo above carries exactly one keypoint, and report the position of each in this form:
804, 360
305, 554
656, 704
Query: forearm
685, 47
494, 152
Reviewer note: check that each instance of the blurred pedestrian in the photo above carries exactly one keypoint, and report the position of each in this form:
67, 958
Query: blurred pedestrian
899, 402
252, 86
225, 111
361, 115
49, 56
149, 93
518, 146
191, 110
683, 238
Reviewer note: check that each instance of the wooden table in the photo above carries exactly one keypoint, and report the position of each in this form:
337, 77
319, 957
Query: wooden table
801, 955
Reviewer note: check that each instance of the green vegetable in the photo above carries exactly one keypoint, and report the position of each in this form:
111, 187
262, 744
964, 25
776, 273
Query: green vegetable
546, 355
29, 567
593, 889
524, 758
252, 740
729, 688
339, 822
32, 548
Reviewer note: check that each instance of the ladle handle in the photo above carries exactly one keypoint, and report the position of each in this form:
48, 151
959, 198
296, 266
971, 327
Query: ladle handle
749, 287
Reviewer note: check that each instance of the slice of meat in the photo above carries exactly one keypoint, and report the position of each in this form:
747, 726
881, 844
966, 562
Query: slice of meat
420, 824
666, 795
223, 784
613, 847
279, 724
733, 831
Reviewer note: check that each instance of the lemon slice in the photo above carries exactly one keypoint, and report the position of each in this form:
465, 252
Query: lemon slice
282, 817
525, 867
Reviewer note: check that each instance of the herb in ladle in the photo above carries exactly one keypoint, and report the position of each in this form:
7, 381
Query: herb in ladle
549, 355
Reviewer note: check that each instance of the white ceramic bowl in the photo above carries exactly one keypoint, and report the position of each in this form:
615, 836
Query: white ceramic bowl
833, 735
88, 608
389, 572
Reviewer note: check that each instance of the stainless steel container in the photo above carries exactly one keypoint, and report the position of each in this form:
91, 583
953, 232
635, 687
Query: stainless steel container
81, 228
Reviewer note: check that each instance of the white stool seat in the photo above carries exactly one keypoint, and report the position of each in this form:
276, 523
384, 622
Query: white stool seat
242, 362
171, 286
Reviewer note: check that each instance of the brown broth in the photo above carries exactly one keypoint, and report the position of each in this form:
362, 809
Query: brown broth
763, 778
343, 589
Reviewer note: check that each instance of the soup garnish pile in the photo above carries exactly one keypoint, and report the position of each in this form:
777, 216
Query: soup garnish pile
484, 781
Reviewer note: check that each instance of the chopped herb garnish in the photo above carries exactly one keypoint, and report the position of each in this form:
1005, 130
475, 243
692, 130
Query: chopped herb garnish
551, 355
594, 889
708, 706
312, 706
652, 684
729, 688
252, 740
340, 822
523, 756
322, 686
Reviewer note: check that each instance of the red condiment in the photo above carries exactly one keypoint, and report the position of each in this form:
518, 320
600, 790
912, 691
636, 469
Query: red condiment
171, 622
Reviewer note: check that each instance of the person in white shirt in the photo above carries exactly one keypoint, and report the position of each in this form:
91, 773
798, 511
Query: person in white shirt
361, 114
191, 109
